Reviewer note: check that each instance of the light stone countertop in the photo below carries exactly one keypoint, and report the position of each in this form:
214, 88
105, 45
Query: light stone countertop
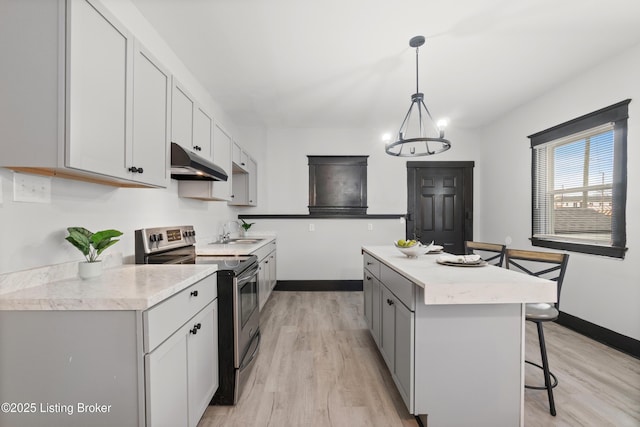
125, 287
465, 285
216, 249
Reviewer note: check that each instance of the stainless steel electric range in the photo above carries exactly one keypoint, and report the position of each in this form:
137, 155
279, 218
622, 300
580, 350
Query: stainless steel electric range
238, 314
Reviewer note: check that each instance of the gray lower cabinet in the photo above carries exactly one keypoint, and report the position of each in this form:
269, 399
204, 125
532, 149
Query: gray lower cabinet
125, 368
391, 324
182, 373
266, 271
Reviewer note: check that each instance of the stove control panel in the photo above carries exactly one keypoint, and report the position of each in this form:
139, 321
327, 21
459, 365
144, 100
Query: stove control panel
158, 239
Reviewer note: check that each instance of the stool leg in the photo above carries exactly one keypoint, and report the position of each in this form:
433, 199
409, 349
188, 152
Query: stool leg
545, 368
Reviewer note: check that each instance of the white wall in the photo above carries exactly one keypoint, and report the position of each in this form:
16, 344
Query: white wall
602, 290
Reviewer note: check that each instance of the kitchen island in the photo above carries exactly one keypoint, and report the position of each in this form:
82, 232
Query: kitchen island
452, 337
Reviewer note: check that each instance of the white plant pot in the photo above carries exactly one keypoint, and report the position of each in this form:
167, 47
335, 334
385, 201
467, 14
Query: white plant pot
87, 270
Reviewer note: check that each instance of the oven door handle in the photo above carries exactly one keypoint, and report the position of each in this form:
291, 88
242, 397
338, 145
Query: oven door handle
248, 361
246, 277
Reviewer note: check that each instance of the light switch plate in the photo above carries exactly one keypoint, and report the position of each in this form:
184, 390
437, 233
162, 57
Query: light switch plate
31, 188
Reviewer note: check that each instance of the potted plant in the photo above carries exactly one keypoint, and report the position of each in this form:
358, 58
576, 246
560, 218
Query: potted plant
245, 226
91, 245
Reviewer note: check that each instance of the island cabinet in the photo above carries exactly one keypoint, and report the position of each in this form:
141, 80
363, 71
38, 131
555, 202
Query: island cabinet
78, 108
452, 338
391, 321
114, 365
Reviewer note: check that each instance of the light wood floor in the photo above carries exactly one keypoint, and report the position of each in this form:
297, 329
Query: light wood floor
318, 366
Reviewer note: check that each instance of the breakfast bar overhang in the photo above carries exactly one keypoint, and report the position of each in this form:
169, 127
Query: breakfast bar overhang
452, 336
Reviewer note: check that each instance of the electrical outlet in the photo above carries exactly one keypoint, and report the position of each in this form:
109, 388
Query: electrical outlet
370, 227
31, 188
312, 227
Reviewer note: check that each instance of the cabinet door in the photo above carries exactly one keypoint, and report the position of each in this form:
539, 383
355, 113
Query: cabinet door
376, 310
147, 159
202, 361
166, 383
99, 70
404, 351
388, 327
240, 189
263, 286
202, 132
182, 107
367, 290
222, 147
253, 183
240, 159
273, 279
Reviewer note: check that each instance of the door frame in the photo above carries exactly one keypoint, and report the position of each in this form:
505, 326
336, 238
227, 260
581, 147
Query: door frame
467, 193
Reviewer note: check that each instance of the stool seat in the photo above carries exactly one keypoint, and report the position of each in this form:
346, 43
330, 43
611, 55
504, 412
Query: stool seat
541, 312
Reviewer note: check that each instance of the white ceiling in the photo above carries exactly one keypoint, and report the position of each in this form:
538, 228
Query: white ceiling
343, 63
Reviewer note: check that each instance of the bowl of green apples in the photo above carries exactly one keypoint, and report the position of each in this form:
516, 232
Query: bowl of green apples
411, 248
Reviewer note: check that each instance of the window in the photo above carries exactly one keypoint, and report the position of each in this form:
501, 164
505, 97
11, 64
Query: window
579, 183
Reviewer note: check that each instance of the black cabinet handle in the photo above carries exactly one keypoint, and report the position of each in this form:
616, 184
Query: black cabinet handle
390, 302
134, 169
368, 277
369, 263
195, 328
197, 148
194, 293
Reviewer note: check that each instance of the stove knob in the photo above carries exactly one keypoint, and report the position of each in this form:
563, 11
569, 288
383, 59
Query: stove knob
152, 237
185, 233
160, 238
193, 233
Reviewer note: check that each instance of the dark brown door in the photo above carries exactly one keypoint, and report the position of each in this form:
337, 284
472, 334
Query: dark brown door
440, 203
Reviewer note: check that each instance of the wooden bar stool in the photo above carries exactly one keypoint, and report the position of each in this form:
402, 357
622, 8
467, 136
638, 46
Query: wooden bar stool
551, 266
493, 253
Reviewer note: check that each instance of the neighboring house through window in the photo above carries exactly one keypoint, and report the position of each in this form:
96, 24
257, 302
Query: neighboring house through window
579, 183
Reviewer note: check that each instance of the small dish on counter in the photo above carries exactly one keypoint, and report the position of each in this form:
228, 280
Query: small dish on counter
412, 251
461, 260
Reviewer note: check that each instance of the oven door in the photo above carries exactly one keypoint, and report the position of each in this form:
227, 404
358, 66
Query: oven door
247, 315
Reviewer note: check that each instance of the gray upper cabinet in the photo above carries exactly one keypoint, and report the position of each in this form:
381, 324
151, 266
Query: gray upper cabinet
202, 132
151, 97
71, 87
212, 190
99, 61
182, 109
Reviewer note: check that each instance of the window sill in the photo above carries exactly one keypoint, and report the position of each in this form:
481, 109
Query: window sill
610, 251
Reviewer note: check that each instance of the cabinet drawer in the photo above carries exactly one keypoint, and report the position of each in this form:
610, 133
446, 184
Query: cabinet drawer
372, 264
163, 319
400, 286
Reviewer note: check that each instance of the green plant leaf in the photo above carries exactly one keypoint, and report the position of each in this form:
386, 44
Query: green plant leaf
79, 237
91, 244
105, 246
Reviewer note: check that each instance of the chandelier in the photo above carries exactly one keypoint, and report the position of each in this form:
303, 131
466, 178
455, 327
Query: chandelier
421, 143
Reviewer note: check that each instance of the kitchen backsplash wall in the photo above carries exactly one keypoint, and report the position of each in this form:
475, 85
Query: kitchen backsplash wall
33, 233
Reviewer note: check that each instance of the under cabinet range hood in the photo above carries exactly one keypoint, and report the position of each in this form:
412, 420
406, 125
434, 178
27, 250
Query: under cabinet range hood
188, 166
